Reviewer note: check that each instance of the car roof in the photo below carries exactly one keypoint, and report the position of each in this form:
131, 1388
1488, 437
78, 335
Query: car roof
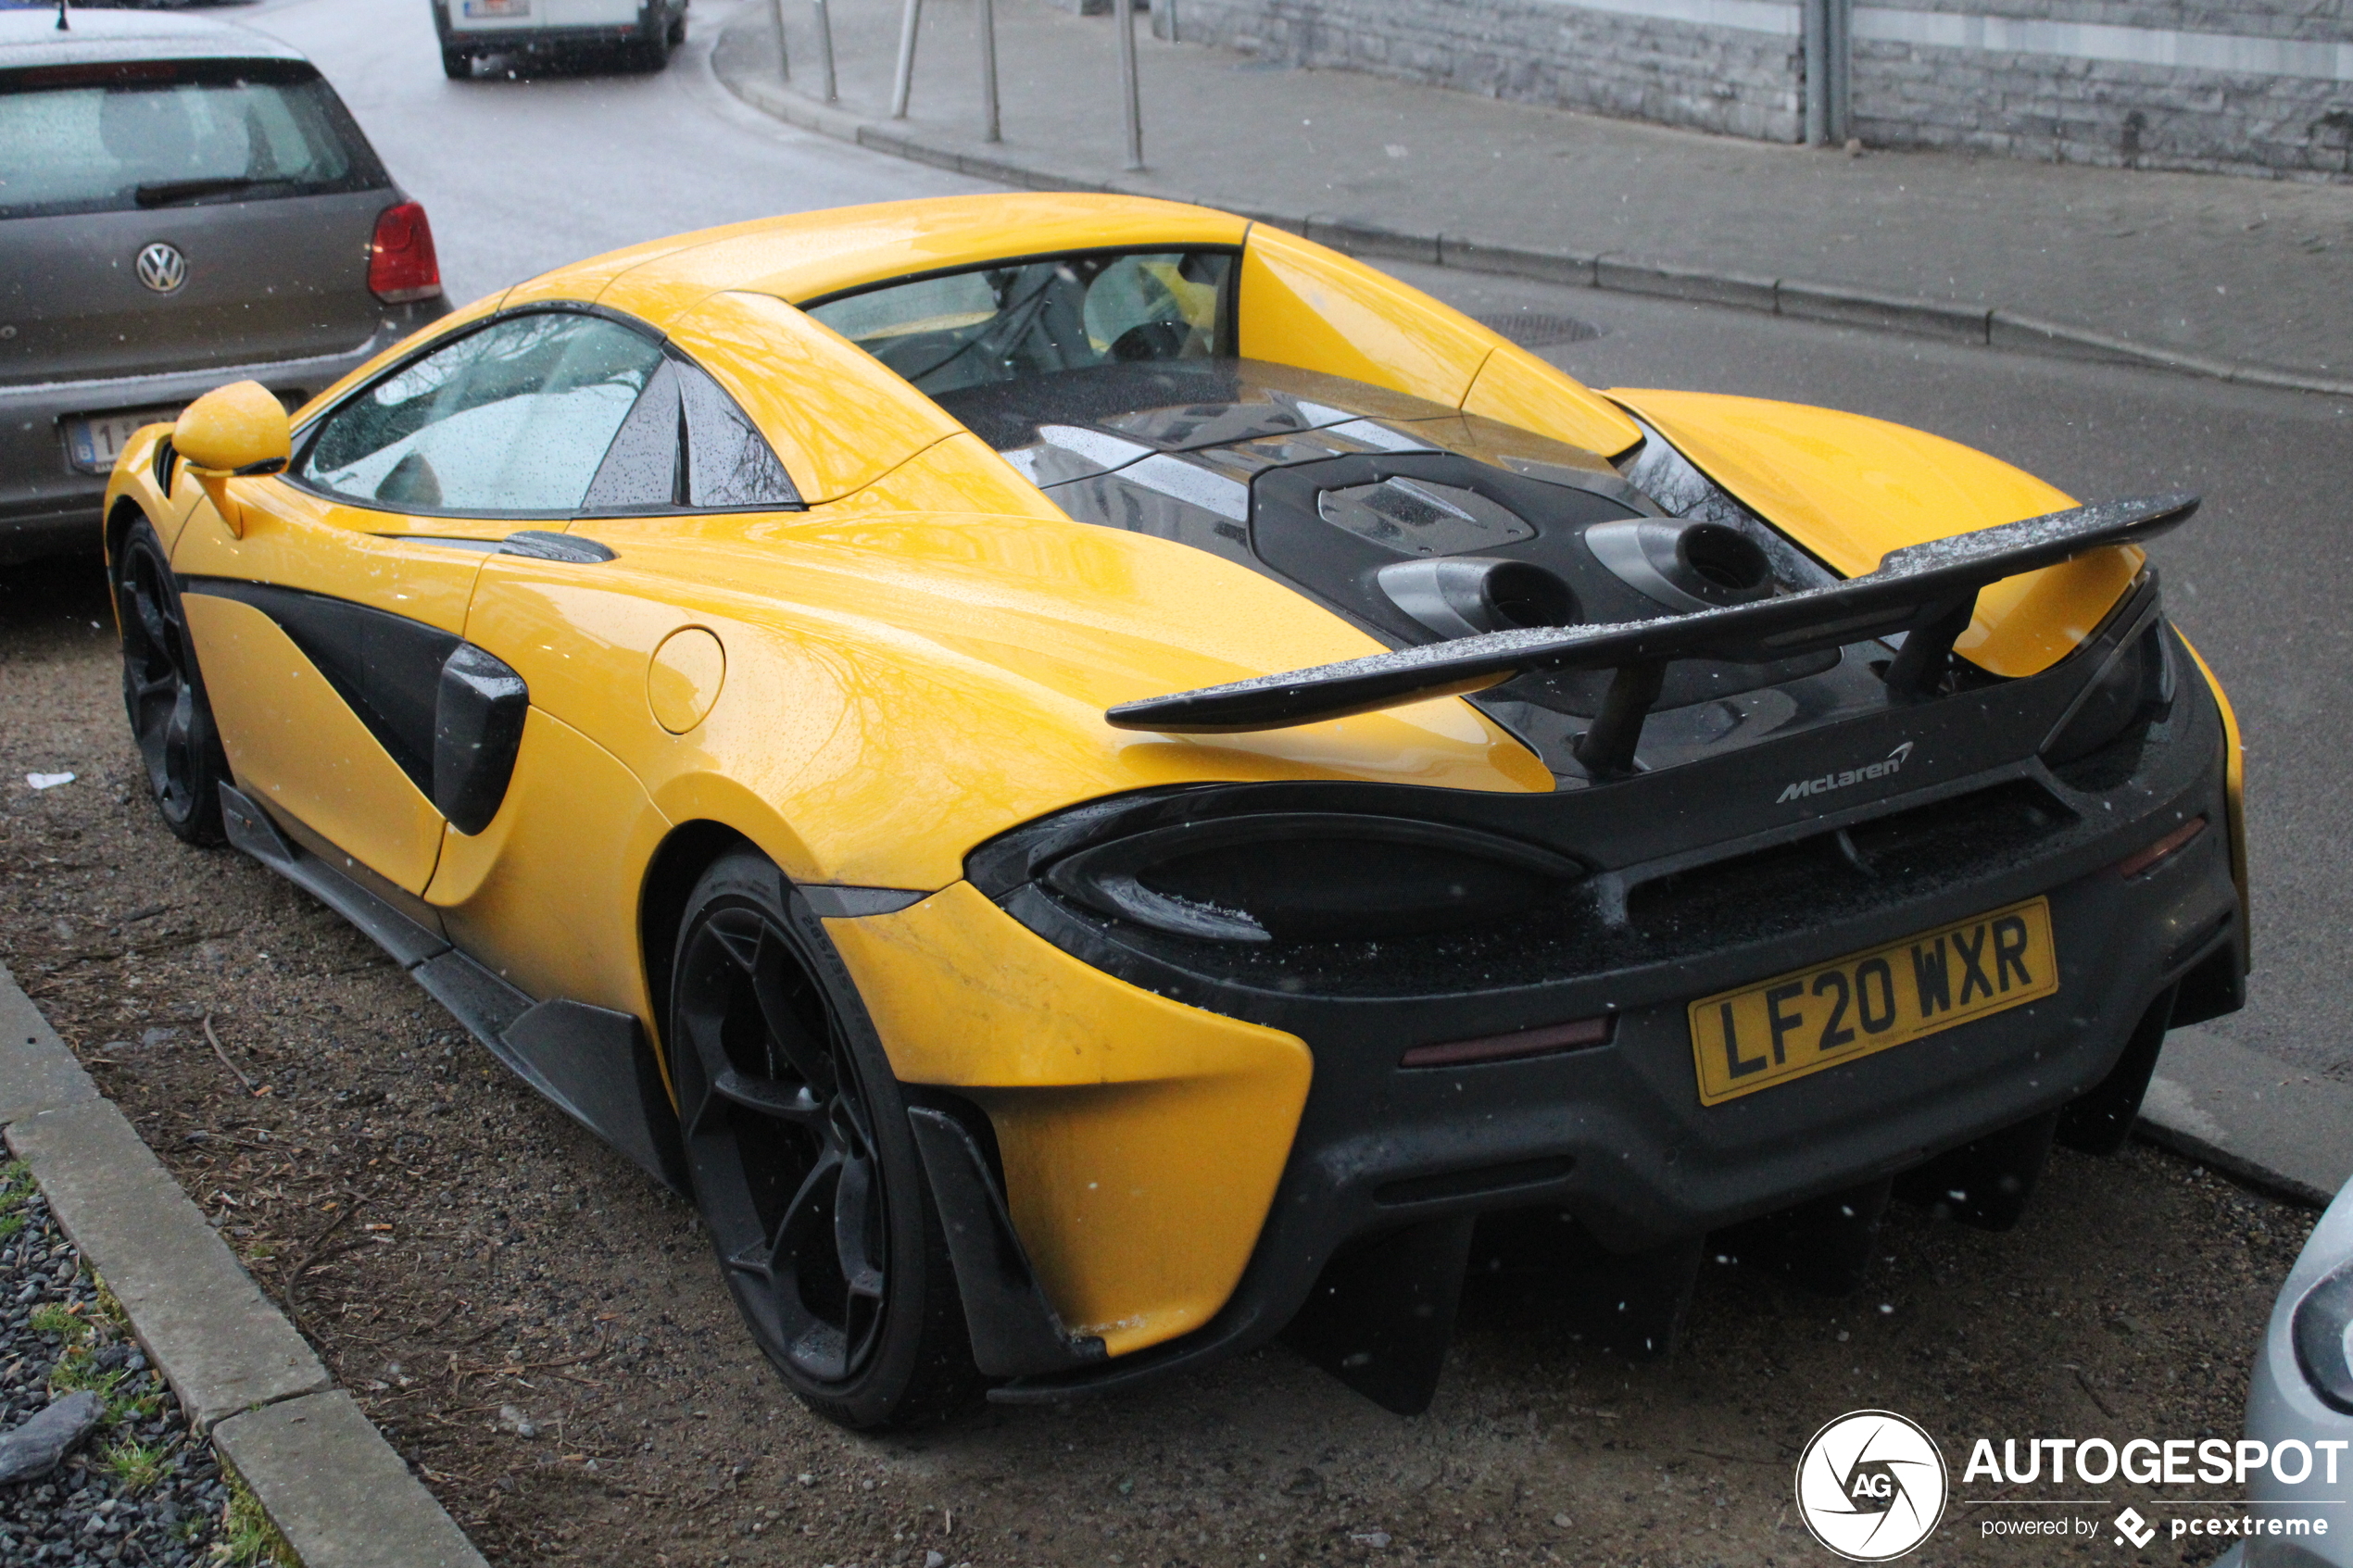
807, 257
28, 38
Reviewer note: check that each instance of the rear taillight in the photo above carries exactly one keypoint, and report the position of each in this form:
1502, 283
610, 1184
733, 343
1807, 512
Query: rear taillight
401, 265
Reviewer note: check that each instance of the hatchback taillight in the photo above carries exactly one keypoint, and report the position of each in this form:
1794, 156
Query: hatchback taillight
401, 265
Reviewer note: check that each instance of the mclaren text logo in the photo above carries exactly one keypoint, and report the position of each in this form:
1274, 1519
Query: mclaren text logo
1871, 1486
1884, 768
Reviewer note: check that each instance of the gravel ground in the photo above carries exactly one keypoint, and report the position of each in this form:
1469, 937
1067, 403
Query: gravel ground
140, 1489
543, 1334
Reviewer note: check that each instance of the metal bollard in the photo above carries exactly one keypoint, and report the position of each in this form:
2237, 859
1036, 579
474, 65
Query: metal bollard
1128, 92
826, 49
1828, 26
783, 51
986, 22
906, 76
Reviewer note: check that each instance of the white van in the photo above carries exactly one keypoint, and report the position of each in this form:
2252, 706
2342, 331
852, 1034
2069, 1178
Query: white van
641, 31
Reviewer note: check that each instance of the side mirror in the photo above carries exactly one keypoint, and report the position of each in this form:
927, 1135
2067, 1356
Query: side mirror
235, 430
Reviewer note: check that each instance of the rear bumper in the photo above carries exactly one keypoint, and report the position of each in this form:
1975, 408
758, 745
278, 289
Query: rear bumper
530, 36
1615, 1135
47, 505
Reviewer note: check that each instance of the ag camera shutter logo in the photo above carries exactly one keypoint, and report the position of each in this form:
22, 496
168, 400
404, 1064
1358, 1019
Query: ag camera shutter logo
1871, 1486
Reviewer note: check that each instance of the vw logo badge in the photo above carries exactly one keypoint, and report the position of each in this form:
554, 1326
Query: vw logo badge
162, 268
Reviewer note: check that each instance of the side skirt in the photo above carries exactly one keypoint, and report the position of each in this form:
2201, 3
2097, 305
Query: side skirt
593, 1063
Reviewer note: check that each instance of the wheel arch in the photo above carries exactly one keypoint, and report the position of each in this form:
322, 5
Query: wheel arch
120, 520
686, 852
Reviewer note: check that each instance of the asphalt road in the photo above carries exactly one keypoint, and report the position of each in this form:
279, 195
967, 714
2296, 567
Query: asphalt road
522, 173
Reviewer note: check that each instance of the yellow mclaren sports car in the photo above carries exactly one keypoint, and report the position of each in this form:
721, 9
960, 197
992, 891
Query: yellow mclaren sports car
1100, 783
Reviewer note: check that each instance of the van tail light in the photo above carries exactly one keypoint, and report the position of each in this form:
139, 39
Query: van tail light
401, 265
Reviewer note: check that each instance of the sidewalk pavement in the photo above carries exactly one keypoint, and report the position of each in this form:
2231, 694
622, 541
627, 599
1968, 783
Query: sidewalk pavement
2247, 279
2254, 1116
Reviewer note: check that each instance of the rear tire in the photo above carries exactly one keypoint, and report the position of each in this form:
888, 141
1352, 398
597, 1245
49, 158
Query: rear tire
803, 1163
457, 65
650, 54
163, 693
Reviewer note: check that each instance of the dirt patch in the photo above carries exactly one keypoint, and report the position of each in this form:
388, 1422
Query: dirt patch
543, 1334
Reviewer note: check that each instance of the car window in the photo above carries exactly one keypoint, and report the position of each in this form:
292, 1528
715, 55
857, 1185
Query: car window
1007, 323
514, 418
164, 134
687, 446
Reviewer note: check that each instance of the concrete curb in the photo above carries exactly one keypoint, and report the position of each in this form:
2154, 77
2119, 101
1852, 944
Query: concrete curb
1992, 327
2264, 1121
329, 1482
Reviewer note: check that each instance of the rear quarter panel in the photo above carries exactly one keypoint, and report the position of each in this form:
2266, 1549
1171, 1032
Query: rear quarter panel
902, 683
1306, 305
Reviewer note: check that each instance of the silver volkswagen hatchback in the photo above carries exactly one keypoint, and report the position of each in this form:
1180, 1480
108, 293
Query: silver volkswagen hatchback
183, 203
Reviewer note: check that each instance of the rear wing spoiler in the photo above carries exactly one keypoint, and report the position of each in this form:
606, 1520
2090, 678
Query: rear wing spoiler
1927, 591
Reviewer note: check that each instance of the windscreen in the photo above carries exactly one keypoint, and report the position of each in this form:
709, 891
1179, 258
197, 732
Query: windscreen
1014, 321
111, 138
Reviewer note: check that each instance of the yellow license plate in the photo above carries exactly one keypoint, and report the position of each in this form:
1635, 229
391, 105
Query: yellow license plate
1810, 1019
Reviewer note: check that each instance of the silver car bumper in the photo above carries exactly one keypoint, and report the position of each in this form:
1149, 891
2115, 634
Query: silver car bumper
2281, 1405
49, 507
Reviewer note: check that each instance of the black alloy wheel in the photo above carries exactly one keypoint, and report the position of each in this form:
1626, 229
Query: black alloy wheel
803, 1164
163, 693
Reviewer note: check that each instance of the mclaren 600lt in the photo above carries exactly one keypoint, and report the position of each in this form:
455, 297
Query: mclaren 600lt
1098, 784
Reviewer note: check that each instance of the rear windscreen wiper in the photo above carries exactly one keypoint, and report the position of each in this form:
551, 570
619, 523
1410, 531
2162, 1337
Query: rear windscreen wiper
165, 193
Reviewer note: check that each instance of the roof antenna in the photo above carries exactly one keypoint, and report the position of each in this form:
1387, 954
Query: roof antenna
61, 18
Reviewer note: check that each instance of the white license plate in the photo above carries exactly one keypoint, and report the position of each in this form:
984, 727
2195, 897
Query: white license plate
498, 7
93, 443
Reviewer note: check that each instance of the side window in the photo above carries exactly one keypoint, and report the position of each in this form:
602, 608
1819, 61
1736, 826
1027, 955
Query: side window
687, 447
515, 418
728, 462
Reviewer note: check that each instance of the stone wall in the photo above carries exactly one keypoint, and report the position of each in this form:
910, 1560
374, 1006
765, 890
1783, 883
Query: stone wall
2238, 86
2259, 86
1743, 82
